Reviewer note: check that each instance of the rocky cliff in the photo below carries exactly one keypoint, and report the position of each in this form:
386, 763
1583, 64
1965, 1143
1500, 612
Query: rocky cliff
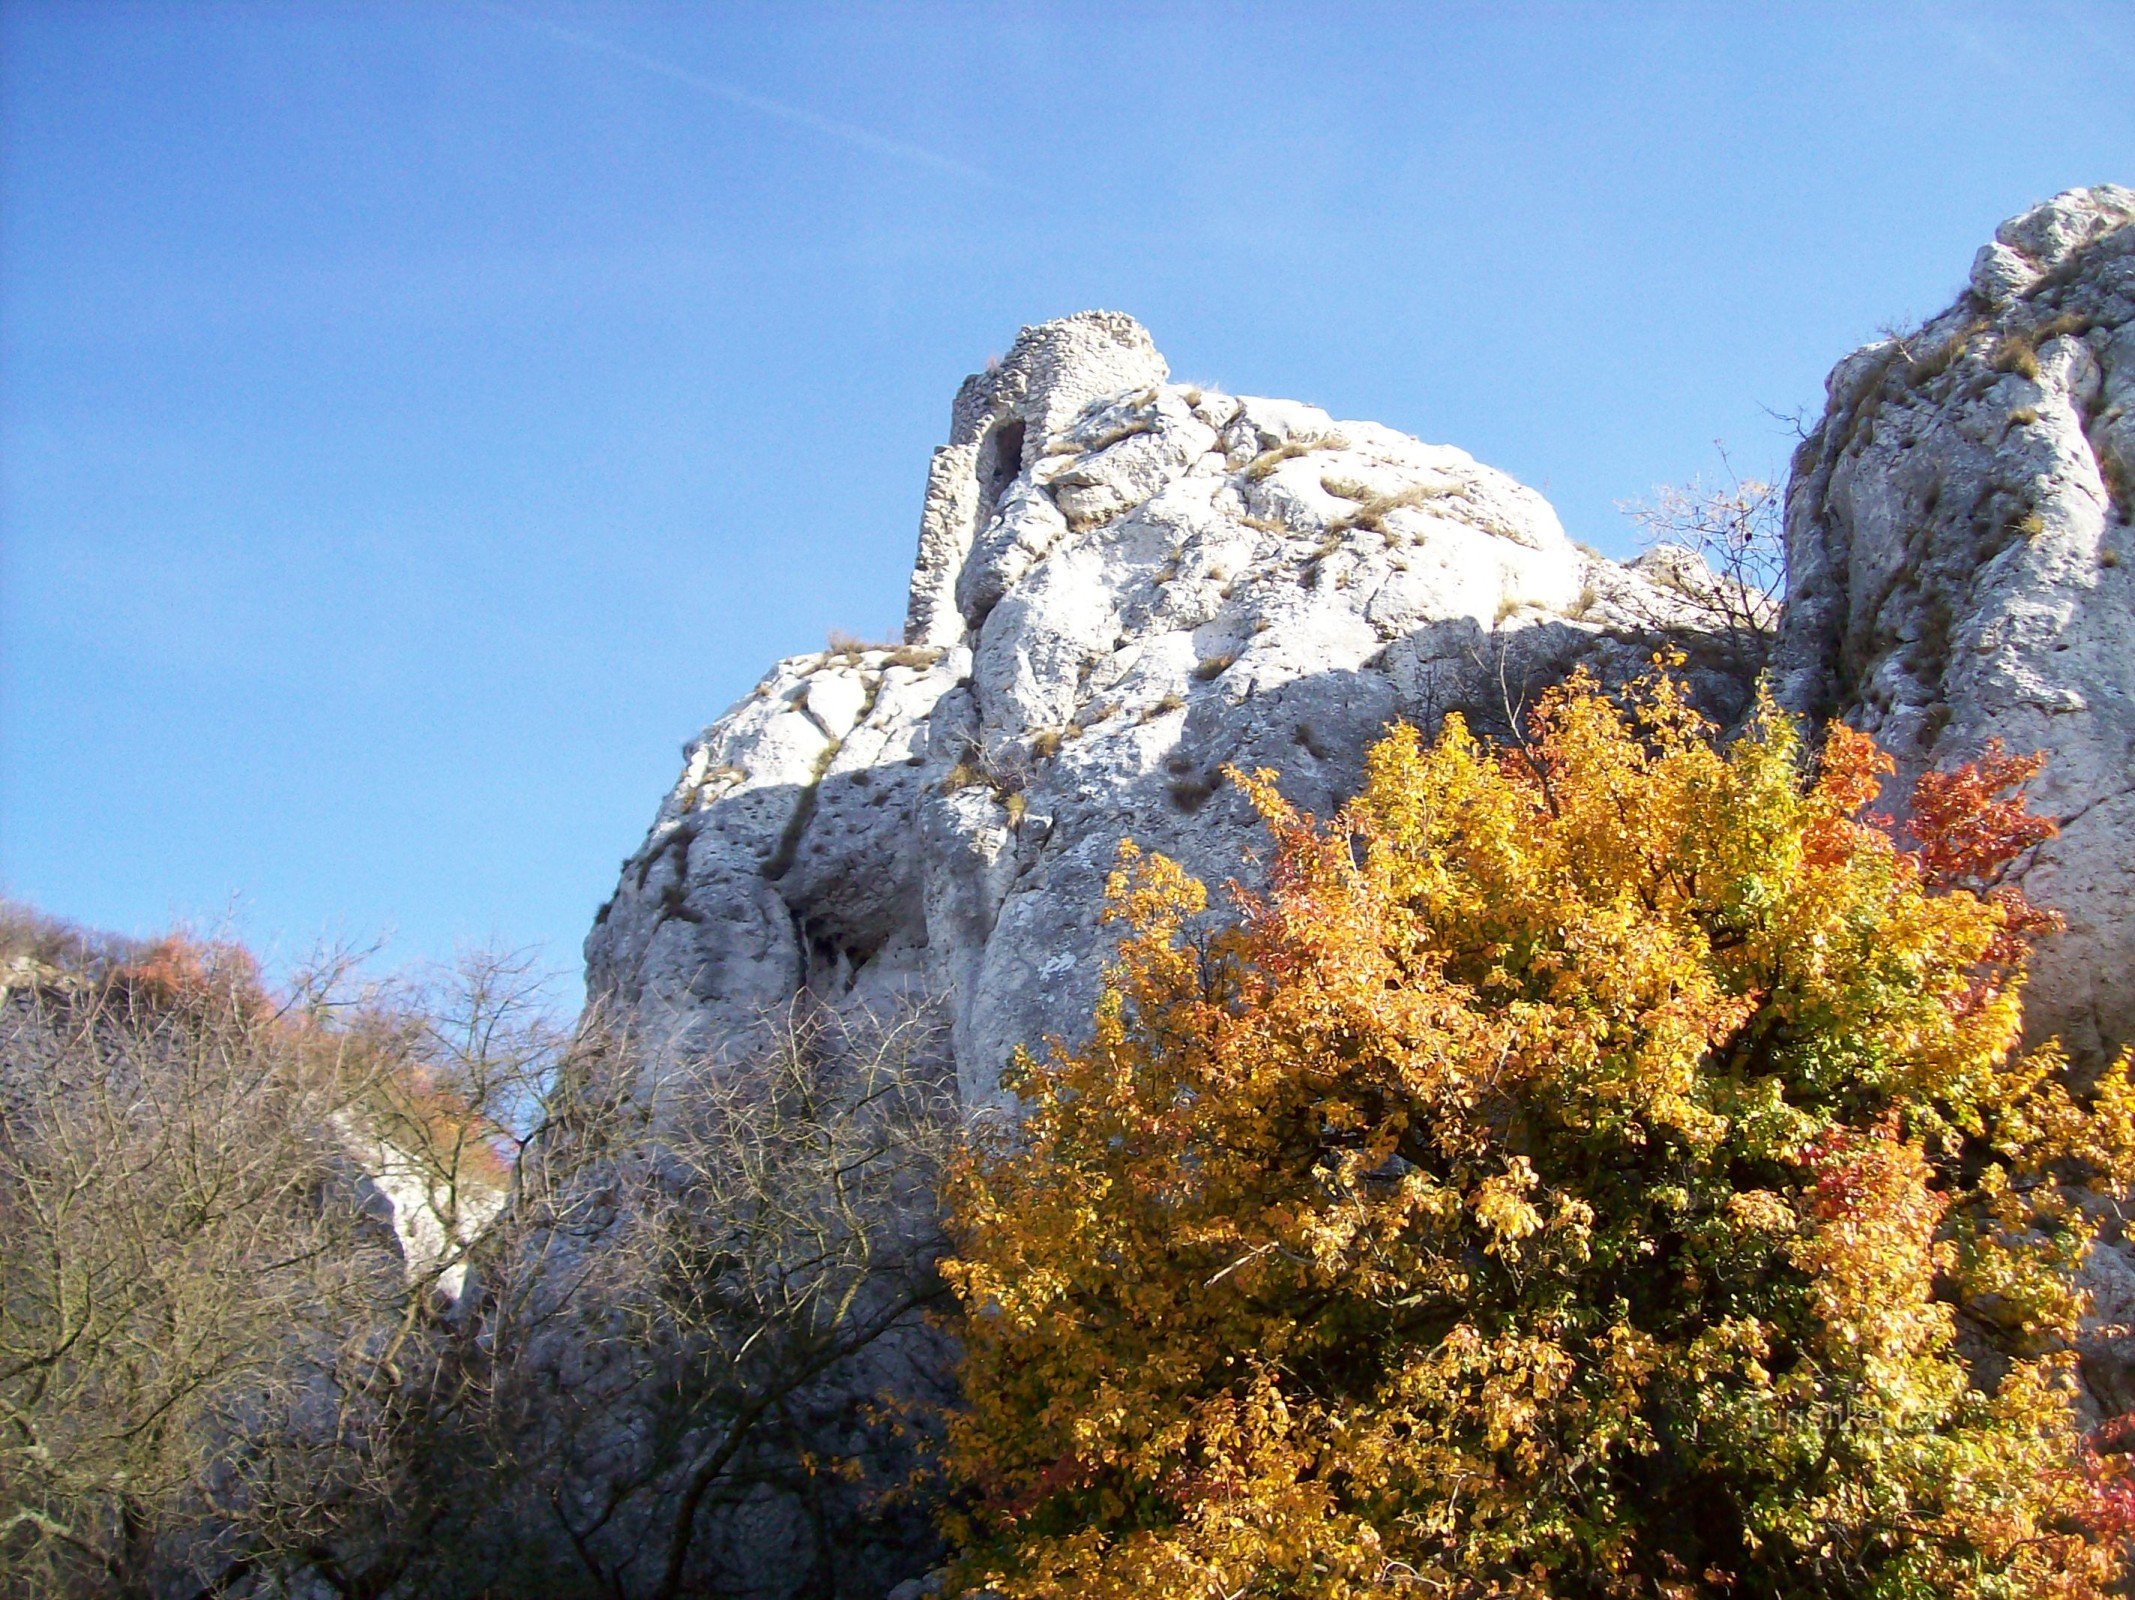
1123, 585
1959, 567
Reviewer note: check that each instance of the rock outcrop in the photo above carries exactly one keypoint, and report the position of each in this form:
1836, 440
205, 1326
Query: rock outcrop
1123, 585
1960, 568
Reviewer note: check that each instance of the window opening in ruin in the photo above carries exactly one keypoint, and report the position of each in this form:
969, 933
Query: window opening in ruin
1007, 460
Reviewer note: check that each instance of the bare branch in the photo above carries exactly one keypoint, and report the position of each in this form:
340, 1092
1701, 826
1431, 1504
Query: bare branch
1718, 554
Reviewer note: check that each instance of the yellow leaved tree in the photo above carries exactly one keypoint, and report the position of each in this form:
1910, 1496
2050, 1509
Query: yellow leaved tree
1600, 1167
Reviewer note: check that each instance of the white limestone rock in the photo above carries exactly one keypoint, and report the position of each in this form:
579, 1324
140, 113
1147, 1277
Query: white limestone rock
783, 858
1123, 585
437, 1219
1961, 569
999, 416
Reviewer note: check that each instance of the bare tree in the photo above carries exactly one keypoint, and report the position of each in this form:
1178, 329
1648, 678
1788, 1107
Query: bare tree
166, 1241
401, 1289
466, 1064
705, 1288
233, 1230
1734, 588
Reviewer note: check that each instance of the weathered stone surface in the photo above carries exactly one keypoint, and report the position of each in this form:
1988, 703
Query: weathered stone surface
1960, 567
1123, 585
1000, 418
783, 859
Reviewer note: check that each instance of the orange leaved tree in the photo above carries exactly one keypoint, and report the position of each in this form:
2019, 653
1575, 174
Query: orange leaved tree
1601, 1167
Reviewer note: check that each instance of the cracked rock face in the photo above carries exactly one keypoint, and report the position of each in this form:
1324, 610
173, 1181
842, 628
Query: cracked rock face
1123, 585
1960, 568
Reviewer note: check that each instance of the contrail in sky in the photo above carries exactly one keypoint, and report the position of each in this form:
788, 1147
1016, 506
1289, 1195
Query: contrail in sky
830, 128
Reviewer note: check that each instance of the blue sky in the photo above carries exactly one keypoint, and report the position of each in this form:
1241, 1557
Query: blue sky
417, 419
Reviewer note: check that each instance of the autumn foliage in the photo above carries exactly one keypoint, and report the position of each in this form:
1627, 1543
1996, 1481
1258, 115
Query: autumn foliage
1600, 1167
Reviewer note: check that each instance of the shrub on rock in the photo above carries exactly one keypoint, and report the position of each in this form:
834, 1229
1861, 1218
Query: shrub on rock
1598, 1166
